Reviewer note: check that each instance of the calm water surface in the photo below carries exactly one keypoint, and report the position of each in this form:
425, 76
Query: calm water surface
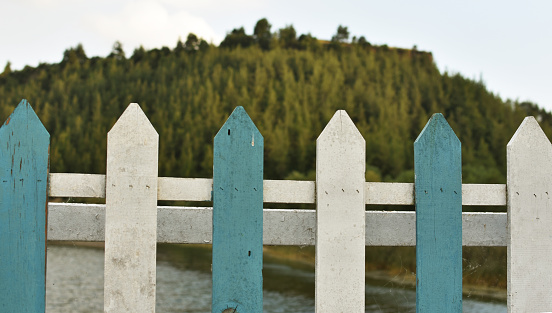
75, 284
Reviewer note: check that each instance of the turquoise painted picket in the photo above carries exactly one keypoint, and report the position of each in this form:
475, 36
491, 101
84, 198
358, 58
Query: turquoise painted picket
238, 216
438, 192
24, 157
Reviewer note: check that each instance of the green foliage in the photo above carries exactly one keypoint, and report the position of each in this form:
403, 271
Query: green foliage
75, 55
373, 174
290, 91
262, 37
7, 69
308, 42
117, 51
237, 38
342, 34
363, 42
287, 37
192, 43
262, 34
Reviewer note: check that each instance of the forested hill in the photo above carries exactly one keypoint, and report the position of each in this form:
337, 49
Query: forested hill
290, 85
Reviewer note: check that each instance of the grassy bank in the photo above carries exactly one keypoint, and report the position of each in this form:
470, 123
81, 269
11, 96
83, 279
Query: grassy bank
484, 268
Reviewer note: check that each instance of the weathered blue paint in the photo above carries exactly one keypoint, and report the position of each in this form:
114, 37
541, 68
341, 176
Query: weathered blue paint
24, 144
238, 216
438, 191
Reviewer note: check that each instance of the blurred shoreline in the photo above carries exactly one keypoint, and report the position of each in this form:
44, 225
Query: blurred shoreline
303, 257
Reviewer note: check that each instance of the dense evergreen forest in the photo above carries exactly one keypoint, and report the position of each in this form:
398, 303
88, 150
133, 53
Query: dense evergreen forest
290, 85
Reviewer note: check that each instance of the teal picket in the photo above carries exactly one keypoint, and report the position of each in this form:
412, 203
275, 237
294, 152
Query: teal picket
238, 216
438, 192
24, 166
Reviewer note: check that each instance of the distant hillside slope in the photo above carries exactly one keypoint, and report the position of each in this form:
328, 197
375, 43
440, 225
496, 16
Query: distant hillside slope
290, 88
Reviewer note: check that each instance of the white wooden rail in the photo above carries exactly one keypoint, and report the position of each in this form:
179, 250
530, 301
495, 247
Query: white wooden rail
86, 222
71, 185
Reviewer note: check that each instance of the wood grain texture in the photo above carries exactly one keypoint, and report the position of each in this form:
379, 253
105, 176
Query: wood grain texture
86, 222
200, 189
131, 214
185, 189
340, 217
76, 185
76, 222
289, 191
24, 145
275, 191
438, 190
238, 216
529, 181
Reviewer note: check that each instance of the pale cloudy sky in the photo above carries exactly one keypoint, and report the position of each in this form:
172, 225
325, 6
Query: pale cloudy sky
508, 44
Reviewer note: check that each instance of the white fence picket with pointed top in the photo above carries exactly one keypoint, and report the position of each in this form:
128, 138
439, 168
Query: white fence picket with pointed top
340, 217
529, 177
131, 214
525, 229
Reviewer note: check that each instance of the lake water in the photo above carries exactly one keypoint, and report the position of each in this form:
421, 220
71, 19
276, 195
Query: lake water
75, 284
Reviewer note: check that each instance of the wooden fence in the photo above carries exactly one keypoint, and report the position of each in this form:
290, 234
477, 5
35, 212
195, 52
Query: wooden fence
131, 223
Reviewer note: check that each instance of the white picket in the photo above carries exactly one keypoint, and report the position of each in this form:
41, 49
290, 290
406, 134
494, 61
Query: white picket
529, 181
340, 217
131, 214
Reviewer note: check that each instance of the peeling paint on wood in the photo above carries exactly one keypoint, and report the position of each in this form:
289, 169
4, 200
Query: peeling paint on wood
131, 214
340, 217
438, 190
86, 222
23, 211
275, 191
76, 185
529, 177
238, 216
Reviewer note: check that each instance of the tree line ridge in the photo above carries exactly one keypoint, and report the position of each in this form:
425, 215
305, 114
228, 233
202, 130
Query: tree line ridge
289, 84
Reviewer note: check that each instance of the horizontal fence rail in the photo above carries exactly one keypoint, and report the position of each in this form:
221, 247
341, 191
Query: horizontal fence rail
275, 191
383, 228
86, 222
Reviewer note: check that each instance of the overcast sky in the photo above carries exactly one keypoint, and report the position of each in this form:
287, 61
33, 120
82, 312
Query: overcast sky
507, 44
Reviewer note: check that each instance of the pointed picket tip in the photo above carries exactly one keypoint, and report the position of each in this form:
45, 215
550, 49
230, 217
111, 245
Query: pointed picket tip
25, 114
437, 129
237, 235
131, 213
529, 182
340, 127
23, 210
438, 194
528, 134
238, 119
134, 123
340, 217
